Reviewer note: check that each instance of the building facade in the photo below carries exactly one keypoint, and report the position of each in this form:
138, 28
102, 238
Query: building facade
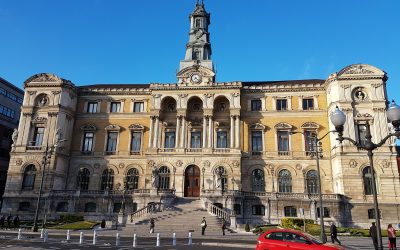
244, 146
10, 104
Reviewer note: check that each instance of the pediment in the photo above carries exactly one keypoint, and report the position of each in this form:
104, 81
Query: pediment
204, 75
90, 127
360, 69
113, 127
283, 125
257, 126
46, 78
136, 126
310, 125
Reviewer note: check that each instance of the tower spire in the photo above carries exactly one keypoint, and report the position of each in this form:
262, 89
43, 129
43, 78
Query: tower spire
198, 49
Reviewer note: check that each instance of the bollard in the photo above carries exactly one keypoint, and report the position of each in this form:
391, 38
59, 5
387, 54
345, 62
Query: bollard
19, 234
94, 237
174, 239
134, 240
190, 239
46, 236
68, 235
117, 239
42, 233
158, 240
81, 239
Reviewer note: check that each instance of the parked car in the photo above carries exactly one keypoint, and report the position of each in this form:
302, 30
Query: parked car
278, 239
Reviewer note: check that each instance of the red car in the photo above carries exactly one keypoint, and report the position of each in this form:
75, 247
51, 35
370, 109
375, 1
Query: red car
278, 239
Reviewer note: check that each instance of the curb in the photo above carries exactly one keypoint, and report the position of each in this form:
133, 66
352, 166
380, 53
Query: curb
232, 245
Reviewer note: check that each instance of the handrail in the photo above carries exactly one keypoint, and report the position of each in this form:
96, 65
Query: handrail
220, 213
153, 207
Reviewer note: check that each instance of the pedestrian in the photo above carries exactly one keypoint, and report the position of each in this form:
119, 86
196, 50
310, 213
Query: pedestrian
373, 235
152, 225
392, 237
223, 226
2, 219
203, 225
9, 218
16, 221
334, 234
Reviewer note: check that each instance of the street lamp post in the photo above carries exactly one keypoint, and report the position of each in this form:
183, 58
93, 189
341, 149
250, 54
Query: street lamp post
46, 159
338, 119
316, 146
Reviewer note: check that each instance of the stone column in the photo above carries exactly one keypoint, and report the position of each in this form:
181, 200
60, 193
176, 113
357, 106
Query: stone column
151, 131
183, 132
210, 132
204, 131
231, 141
237, 132
177, 131
157, 127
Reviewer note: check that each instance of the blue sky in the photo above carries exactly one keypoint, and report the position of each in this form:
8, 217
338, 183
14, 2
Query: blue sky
132, 41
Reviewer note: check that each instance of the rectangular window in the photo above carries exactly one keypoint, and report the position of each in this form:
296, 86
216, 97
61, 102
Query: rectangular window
258, 210
290, 211
195, 140
115, 107
87, 142
255, 105
92, 107
112, 142
237, 209
308, 104
283, 141
7, 111
309, 141
256, 142
222, 139
169, 140
326, 212
138, 107
371, 214
362, 131
38, 136
3, 91
281, 104
136, 142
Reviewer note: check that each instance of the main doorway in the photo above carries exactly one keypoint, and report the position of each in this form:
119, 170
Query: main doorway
192, 181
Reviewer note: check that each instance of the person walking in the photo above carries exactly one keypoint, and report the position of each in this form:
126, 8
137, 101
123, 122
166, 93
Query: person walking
223, 226
373, 235
16, 222
203, 225
334, 234
9, 218
392, 237
2, 220
152, 223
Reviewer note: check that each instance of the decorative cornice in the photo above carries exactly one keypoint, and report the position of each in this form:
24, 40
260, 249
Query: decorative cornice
113, 127
89, 127
310, 125
283, 125
136, 126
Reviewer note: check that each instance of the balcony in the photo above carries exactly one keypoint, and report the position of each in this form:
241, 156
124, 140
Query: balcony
33, 146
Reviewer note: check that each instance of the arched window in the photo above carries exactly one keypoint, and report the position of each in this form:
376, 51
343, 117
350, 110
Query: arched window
285, 181
164, 178
221, 177
90, 207
29, 177
132, 179
367, 180
107, 179
258, 180
312, 182
83, 179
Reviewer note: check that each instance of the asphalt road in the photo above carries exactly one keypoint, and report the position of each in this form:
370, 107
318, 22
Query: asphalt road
9, 241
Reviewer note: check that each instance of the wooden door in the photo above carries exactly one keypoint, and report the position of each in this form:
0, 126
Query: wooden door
192, 181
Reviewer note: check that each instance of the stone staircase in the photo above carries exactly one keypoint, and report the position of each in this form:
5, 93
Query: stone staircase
182, 217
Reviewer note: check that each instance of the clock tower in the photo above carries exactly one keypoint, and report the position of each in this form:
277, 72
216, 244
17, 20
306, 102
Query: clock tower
197, 67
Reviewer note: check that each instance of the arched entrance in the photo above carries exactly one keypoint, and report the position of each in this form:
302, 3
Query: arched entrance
192, 181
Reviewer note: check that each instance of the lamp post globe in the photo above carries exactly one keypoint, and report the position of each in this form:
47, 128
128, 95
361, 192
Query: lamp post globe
338, 118
393, 113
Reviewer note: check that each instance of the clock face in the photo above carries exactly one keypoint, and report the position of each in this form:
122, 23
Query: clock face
196, 78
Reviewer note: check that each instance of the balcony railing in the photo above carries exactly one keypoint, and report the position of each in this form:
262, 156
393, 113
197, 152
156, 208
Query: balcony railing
221, 150
277, 195
33, 146
282, 154
194, 150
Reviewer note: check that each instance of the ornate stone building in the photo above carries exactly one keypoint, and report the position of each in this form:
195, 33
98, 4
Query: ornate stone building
233, 144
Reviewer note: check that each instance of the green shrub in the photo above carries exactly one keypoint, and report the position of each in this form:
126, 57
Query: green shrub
69, 218
80, 225
295, 222
247, 227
